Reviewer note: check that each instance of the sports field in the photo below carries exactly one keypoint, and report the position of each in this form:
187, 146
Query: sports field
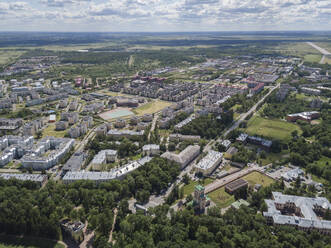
274, 129
258, 178
115, 113
152, 107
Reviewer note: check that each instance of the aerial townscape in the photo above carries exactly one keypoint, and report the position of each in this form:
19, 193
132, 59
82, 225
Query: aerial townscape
163, 139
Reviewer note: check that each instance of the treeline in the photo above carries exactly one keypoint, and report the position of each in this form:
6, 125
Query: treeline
26, 209
290, 105
208, 126
236, 228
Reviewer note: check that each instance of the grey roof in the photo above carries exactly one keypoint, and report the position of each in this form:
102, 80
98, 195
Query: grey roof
24, 177
209, 160
309, 219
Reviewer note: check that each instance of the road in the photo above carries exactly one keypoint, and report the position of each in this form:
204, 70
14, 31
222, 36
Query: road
221, 182
321, 50
158, 200
156, 116
252, 110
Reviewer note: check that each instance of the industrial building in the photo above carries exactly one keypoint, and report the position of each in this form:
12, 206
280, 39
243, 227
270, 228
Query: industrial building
304, 213
209, 163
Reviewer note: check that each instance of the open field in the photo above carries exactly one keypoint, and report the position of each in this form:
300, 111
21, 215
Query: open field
296, 49
258, 178
275, 129
188, 189
50, 131
7, 56
313, 58
221, 198
11, 241
151, 107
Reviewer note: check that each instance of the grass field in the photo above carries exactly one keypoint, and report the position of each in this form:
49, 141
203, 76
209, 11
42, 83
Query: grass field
258, 178
7, 56
221, 198
275, 129
188, 189
313, 58
50, 131
9, 241
151, 107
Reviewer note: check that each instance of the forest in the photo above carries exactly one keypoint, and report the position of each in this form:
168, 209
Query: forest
236, 228
26, 209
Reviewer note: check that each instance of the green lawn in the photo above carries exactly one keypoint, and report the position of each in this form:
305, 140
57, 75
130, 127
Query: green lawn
258, 178
10, 241
274, 129
188, 189
313, 58
50, 131
221, 198
151, 107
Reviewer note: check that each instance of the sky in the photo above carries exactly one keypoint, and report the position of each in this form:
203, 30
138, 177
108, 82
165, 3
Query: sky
164, 15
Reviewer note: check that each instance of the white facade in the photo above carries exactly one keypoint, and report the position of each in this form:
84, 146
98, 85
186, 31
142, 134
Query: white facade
209, 163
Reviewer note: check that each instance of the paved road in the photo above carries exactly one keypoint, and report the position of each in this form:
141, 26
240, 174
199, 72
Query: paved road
252, 110
321, 50
221, 182
158, 200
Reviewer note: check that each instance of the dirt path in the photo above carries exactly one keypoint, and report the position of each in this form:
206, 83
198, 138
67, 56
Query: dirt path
88, 237
113, 226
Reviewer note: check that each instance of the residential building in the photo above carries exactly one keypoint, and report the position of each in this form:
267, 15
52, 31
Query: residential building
304, 213
151, 150
184, 157
209, 163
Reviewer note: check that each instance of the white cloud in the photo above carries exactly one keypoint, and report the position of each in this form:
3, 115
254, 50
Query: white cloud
166, 15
